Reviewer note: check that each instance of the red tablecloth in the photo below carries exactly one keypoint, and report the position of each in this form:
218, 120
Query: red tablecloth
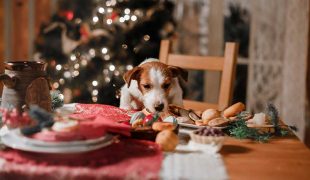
128, 159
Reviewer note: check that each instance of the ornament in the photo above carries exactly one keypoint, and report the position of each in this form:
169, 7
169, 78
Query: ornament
171, 119
137, 116
150, 119
67, 14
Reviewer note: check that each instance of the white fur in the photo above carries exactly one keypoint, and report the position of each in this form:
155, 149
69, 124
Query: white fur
157, 94
131, 97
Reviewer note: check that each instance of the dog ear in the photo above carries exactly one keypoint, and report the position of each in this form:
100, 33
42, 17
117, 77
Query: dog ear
177, 71
132, 75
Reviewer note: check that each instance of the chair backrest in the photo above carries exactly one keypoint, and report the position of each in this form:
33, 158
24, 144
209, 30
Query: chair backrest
225, 64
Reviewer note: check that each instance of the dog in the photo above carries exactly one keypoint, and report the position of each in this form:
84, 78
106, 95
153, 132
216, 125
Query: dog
152, 85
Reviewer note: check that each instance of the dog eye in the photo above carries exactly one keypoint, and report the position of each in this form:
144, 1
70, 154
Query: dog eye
146, 86
166, 86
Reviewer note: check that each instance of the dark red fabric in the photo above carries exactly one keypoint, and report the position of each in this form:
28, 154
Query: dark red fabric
128, 159
133, 159
104, 115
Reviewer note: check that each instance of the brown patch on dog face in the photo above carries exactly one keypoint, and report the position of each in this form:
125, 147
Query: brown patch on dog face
164, 79
133, 74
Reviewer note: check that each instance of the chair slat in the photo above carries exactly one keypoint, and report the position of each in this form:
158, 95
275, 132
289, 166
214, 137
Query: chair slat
196, 105
196, 62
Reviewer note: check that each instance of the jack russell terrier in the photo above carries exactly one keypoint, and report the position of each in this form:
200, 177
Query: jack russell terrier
152, 85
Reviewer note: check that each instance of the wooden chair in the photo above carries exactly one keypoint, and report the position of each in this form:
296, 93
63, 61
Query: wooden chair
226, 65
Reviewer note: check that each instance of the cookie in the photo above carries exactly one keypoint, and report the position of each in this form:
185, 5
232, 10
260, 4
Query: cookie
218, 122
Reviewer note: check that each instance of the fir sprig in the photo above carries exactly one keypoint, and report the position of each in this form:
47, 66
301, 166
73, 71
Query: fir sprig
240, 130
57, 99
273, 116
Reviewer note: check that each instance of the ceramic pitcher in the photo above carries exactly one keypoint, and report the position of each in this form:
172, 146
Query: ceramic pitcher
25, 83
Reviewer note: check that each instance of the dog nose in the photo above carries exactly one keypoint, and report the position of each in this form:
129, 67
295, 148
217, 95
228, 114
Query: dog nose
159, 107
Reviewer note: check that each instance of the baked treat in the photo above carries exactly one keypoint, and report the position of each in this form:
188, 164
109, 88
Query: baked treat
185, 120
199, 123
208, 135
193, 115
258, 119
160, 126
234, 110
210, 114
245, 115
167, 140
218, 122
65, 126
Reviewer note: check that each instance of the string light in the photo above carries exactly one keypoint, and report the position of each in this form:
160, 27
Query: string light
76, 73
127, 17
129, 67
104, 50
84, 62
121, 19
101, 10
67, 74
95, 19
116, 73
58, 67
105, 72
109, 21
92, 52
107, 79
133, 18
108, 3
61, 81
111, 67
127, 11
124, 46
95, 92
106, 57
76, 66
146, 37
95, 99
95, 83
110, 10
73, 57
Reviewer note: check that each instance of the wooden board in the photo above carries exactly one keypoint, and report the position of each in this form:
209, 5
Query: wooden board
20, 35
1, 41
42, 13
281, 158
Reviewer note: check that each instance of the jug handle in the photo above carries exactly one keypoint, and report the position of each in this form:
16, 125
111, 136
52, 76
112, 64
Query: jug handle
8, 81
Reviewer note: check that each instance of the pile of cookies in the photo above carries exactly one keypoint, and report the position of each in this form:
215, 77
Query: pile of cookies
210, 117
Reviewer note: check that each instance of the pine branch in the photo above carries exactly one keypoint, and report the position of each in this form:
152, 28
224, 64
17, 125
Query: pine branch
57, 100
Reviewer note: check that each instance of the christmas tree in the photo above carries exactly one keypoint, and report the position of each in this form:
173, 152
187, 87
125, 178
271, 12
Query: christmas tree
89, 44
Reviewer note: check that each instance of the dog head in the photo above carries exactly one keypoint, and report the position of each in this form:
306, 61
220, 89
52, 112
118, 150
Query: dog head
155, 81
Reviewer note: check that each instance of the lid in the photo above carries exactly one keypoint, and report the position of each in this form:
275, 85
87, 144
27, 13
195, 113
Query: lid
25, 65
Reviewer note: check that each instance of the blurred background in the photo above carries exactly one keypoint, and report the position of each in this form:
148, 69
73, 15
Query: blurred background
89, 44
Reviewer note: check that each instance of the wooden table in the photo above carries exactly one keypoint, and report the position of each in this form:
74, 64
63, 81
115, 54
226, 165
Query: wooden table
281, 158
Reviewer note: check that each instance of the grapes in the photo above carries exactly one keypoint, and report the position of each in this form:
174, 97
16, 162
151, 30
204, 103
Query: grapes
208, 131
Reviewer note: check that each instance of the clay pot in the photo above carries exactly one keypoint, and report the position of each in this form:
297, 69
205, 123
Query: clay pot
25, 84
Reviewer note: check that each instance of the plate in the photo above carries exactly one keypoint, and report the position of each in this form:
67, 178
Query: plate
15, 140
196, 126
30, 141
